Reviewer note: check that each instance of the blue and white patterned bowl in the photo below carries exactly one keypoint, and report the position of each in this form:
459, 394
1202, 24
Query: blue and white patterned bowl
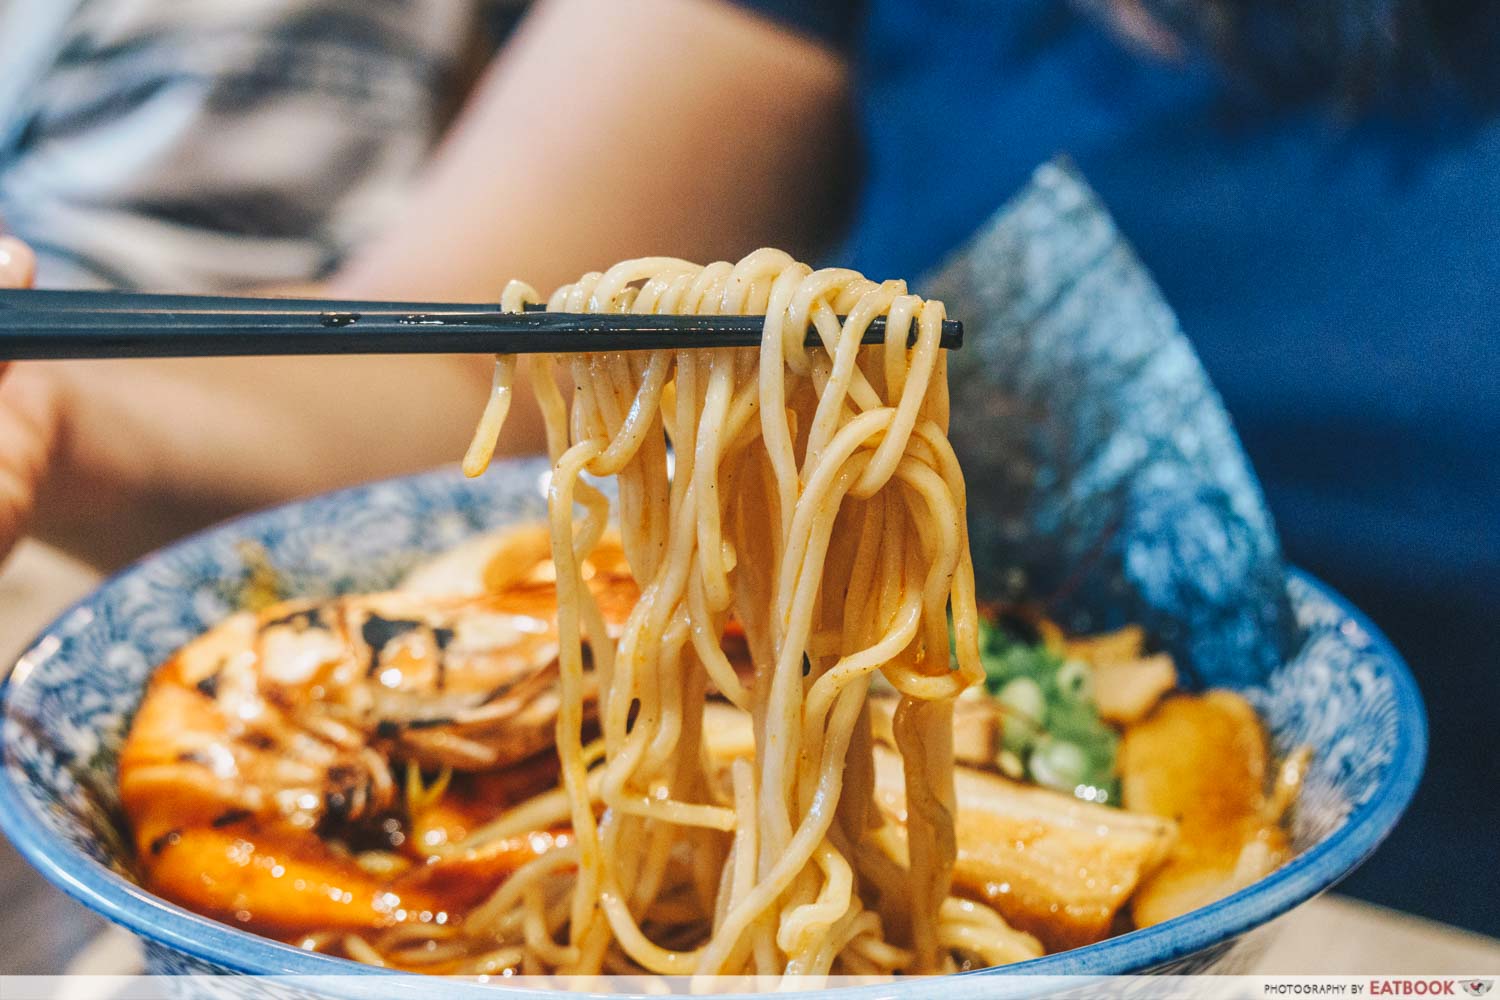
69, 700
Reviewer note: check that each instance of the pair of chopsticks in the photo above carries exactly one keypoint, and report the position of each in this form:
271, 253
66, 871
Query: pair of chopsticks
48, 325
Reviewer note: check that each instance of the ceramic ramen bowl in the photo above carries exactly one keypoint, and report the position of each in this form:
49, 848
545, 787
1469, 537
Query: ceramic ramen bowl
69, 700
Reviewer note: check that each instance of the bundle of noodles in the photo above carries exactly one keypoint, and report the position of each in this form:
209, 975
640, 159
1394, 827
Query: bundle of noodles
814, 498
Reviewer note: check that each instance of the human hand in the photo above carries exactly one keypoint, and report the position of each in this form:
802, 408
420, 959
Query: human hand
17, 263
27, 416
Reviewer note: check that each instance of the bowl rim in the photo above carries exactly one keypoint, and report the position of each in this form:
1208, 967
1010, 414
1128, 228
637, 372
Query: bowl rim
1310, 873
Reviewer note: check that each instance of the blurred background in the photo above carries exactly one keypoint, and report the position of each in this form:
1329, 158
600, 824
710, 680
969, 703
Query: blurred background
1313, 183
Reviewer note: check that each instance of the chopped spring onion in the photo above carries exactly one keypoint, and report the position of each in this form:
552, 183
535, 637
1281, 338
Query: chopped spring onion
1052, 725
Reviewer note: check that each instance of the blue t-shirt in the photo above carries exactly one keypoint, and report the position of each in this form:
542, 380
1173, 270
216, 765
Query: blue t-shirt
1340, 280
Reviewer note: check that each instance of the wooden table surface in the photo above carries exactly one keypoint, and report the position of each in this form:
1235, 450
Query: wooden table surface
44, 933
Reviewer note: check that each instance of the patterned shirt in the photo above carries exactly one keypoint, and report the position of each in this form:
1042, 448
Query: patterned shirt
216, 144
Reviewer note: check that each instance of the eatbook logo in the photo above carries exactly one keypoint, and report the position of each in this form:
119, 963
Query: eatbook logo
1477, 987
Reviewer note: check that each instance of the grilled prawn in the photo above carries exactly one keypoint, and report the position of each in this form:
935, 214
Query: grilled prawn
297, 768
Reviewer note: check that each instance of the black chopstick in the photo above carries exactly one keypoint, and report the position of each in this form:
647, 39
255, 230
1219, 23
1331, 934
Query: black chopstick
49, 325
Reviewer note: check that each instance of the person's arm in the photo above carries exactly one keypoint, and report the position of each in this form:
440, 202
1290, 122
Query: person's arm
608, 130
605, 131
